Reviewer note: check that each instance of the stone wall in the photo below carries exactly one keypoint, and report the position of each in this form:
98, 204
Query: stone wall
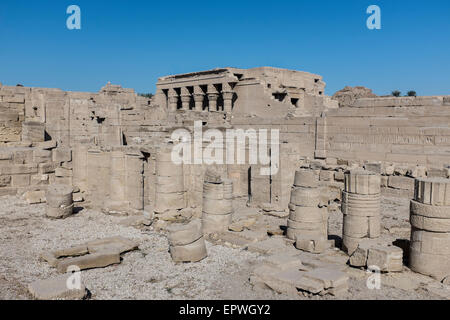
50, 136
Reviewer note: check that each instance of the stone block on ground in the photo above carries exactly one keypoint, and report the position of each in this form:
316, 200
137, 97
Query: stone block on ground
56, 289
89, 261
387, 258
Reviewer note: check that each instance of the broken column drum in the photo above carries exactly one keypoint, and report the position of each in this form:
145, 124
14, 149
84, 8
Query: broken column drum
361, 208
187, 243
307, 223
170, 191
59, 201
430, 228
217, 204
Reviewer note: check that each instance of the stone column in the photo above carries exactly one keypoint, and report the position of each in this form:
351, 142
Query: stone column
361, 208
217, 203
199, 97
227, 94
185, 98
429, 252
307, 223
173, 100
213, 95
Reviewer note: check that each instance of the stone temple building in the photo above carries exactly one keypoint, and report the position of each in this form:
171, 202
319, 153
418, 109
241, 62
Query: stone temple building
113, 150
51, 136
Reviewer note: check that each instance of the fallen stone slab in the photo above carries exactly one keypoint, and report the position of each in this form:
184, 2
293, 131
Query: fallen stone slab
89, 261
56, 289
271, 246
93, 254
115, 244
284, 261
35, 197
330, 279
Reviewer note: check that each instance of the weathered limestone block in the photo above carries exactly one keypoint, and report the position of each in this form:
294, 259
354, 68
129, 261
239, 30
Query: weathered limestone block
432, 191
56, 289
429, 211
213, 223
401, 182
5, 181
284, 261
33, 132
41, 156
334, 282
22, 180
305, 197
434, 265
387, 258
89, 261
183, 234
34, 197
430, 224
360, 205
18, 169
62, 154
217, 207
359, 256
311, 244
305, 178
307, 214
430, 242
326, 175
362, 182
63, 172
59, 201
192, 252
170, 184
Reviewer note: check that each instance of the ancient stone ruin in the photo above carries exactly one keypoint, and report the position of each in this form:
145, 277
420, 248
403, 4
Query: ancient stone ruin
325, 205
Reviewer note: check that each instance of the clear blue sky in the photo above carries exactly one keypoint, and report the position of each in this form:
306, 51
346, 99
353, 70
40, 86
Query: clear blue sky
132, 43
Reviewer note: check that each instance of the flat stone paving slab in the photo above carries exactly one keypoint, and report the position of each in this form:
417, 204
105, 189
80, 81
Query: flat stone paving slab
56, 289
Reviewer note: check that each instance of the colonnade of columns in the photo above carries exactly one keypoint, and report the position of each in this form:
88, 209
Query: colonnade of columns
198, 96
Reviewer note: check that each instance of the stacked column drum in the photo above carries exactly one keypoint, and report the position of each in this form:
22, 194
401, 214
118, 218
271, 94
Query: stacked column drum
361, 208
217, 203
430, 228
170, 191
187, 243
59, 201
307, 222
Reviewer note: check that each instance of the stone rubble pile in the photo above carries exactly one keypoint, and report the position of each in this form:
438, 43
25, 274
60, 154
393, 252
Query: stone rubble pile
59, 201
187, 243
430, 228
307, 223
217, 208
361, 208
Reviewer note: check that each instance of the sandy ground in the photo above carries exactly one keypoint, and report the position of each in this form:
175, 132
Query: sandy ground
149, 273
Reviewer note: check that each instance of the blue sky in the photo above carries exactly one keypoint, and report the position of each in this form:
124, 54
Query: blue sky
132, 43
